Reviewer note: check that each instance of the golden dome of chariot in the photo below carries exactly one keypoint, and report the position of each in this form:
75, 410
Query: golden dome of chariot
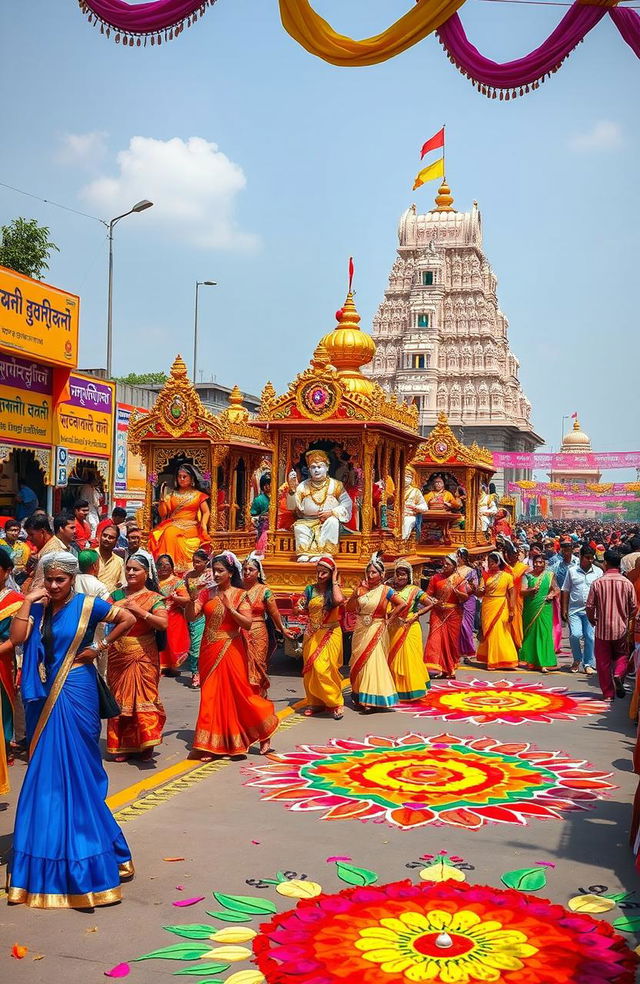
576, 439
349, 349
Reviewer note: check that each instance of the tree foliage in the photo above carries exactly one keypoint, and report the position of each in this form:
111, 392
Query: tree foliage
25, 247
143, 379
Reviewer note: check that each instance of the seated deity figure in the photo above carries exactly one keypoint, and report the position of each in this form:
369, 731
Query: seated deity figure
487, 507
414, 503
440, 498
320, 503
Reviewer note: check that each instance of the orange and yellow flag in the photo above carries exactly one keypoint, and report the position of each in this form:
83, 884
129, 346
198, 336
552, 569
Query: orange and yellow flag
435, 170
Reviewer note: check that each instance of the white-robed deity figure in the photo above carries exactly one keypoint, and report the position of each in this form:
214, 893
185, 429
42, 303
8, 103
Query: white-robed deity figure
487, 508
320, 503
414, 503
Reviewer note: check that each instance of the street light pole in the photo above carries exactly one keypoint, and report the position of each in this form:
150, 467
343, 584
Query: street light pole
138, 207
199, 283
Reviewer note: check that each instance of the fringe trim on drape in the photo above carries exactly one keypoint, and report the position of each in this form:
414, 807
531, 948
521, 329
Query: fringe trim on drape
135, 39
506, 92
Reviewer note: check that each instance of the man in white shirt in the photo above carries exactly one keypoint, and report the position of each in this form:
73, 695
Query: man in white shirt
575, 591
628, 562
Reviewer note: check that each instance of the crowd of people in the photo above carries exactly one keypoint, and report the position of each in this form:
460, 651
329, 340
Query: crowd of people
90, 620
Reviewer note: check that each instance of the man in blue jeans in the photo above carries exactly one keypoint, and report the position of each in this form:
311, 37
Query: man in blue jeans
575, 591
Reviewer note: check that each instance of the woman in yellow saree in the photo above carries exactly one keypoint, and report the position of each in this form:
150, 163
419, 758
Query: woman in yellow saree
371, 680
406, 660
185, 516
322, 643
518, 569
496, 649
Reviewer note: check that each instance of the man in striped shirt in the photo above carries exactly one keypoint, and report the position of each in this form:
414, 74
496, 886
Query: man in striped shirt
611, 607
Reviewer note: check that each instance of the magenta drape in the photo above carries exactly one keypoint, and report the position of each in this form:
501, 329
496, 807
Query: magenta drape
144, 18
576, 23
544, 60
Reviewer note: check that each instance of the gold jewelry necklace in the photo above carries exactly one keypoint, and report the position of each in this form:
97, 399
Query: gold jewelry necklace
323, 489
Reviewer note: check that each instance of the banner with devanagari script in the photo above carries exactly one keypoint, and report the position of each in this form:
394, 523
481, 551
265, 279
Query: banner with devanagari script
26, 403
84, 423
531, 459
38, 320
130, 474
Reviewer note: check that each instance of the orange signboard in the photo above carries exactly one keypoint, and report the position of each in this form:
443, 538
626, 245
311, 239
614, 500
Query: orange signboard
38, 320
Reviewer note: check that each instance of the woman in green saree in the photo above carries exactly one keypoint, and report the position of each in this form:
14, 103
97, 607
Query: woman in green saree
538, 651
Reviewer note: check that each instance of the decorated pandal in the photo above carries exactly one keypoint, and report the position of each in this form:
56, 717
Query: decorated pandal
201, 471
349, 473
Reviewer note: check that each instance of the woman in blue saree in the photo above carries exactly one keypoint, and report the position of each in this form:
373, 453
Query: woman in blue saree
68, 851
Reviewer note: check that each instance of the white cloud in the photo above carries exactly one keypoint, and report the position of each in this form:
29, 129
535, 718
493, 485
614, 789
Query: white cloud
603, 135
192, 184
84, 149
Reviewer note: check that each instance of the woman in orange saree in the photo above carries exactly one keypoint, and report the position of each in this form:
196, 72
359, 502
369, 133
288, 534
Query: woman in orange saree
496, 649
231, 716
133, 667
174, 591
185, 517
517, 568
449, 590
261, 642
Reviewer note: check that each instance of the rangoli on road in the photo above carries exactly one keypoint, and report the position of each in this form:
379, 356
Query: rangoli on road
502, 702
416, 780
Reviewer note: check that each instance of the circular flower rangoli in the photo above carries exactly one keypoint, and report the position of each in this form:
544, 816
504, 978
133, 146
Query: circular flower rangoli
450, 933
502, 702
416, 780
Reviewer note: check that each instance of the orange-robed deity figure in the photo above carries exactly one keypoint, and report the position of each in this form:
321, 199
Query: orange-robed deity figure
185, 517
320, 504
439, 498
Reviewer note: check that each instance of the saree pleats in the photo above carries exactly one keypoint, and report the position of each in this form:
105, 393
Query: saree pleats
408, 669
68, 850
371, 680
133, 673
538, 647
322, 658
442, 650
497, 650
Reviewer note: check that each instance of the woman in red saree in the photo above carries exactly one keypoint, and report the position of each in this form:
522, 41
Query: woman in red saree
10, 603
174, 590
261, 642
133, 667
231, 716
449, 590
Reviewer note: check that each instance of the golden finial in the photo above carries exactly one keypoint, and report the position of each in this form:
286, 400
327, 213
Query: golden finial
444, 199
320, 358
349, 348
576, 425
236, 396
236, 412
179, 368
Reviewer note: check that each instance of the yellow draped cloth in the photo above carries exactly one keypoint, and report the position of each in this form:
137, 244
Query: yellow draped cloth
310, 30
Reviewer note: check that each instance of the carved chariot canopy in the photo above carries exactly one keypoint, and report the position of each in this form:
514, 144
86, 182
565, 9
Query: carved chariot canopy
237, 426
178, 413
443, 447
334, 388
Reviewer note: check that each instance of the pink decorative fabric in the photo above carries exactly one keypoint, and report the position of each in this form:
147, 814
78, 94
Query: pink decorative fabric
144, 18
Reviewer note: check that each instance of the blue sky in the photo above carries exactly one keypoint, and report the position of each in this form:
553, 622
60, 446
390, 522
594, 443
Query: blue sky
314, 163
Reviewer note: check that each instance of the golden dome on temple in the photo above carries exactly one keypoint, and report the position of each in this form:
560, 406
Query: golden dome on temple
444, 199
349, 349
576, 439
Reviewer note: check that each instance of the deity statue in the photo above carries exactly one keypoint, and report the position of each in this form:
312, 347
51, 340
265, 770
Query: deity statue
441, 499
487, 507
320, 504
414, 503
184, 516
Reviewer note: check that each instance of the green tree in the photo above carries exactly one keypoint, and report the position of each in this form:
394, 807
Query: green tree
25, 247
143, 378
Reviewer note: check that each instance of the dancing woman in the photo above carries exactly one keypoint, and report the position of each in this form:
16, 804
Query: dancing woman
174, 591
231, 716
540, 592
406, 661
497, 650
68, 851
322, 643
375, 604
261, 643
471, 577
449, 590
195, 581
133, 668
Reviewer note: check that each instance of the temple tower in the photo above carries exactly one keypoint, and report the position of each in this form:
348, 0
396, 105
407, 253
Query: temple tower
441, 338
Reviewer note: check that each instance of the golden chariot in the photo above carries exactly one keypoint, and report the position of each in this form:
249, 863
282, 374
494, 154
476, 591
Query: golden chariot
225, 448
332, 406
460, 466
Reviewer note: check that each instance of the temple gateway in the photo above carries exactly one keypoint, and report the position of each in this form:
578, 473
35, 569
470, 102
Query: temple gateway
441, 338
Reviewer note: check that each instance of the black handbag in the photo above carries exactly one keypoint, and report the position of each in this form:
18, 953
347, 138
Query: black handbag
107, 704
